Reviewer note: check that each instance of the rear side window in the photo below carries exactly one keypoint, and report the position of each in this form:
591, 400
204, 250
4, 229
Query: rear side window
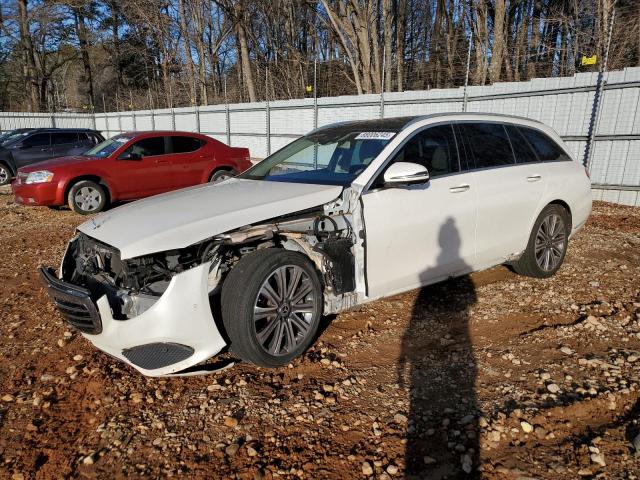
489, 144
37, 140
185, 144
148, 147
521, 148
546, 149
62, 138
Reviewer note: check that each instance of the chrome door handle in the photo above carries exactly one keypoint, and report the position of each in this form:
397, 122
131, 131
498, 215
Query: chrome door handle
460, 188
534, 178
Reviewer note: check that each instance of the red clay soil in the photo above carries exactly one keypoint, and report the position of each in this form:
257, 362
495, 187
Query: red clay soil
495, 374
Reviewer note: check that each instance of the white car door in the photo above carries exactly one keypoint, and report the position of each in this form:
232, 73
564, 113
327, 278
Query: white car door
508, 192
418, 234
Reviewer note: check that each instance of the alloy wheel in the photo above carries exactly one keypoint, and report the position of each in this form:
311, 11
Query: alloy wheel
550, 242
283, 311
4, 175
87, 199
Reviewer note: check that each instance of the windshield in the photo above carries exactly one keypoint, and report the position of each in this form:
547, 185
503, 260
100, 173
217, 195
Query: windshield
332, 156
12, 136
106, 148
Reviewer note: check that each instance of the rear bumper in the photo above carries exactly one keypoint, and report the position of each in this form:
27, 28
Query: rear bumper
36, 194
176, 333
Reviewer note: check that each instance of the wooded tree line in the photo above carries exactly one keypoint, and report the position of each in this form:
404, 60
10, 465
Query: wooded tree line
122, 54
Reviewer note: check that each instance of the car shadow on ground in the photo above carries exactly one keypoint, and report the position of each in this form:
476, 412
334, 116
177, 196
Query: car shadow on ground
438, 368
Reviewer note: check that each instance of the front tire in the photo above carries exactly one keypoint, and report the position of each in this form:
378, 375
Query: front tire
547, 245
271, 306
87, 197
5, 175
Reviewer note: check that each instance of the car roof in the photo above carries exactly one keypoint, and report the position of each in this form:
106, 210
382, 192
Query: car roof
61, 130
400, 123
160, 132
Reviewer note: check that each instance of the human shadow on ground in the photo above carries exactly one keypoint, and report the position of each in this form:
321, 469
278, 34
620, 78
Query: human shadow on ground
438, 368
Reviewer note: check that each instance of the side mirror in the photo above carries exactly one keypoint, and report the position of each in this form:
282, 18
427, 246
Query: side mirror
404, 173
130, 156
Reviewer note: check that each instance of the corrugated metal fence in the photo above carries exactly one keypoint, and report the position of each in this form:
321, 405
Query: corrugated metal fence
564, 103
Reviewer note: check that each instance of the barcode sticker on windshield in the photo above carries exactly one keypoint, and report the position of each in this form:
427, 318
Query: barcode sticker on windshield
375, 136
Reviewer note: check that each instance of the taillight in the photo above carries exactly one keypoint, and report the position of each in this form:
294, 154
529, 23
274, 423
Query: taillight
586, 171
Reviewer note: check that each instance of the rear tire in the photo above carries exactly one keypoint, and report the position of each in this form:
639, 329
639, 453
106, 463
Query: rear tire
271, 306
5, 175
547, 245
221, 175
87, 197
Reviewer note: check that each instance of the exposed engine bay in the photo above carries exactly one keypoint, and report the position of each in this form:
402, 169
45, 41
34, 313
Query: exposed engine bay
132, 286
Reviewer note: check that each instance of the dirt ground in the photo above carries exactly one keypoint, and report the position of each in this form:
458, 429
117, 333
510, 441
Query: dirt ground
494, 376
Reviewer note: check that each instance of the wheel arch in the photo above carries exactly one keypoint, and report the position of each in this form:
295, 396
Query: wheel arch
217, 168
10, 165
94, 178
564, 205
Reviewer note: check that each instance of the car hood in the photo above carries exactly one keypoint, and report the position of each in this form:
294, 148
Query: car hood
57, 162
184, 217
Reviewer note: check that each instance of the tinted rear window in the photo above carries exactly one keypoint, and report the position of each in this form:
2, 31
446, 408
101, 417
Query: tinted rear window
521, 148
546, 149
185, 144
61, 138
489, 144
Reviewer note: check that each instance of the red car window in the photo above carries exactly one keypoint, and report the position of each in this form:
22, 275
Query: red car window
185, 144
147, 147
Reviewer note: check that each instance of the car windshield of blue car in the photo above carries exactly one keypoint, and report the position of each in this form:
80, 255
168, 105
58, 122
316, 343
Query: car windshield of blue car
106, 148
11, 137
331, 156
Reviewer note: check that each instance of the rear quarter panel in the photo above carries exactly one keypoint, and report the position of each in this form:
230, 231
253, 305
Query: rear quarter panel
567, 182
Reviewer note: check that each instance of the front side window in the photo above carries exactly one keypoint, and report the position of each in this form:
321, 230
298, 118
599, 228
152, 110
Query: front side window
185, 144
434, 148
546, 149
106, 148
489, 144
147, 147
37, 140
332, 156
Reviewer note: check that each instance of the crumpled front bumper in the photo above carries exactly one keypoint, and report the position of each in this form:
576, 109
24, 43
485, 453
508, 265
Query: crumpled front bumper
175, 333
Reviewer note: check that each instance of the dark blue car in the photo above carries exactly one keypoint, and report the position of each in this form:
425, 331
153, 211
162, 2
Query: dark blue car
25, 146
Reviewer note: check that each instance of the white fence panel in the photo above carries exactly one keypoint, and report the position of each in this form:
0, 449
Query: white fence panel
566, 104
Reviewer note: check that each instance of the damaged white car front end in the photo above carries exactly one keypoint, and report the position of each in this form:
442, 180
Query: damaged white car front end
151, 306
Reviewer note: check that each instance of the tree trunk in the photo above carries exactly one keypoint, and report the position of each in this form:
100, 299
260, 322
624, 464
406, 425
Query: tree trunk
339, 31
532, 65
243, 50
81, 30
186, 42
387, 18
497, 51
400, 36
29, 61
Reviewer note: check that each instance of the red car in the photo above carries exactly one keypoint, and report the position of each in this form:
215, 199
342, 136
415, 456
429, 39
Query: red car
127, 167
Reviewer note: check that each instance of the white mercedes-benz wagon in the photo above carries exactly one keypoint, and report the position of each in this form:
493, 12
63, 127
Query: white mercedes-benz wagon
350, 213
